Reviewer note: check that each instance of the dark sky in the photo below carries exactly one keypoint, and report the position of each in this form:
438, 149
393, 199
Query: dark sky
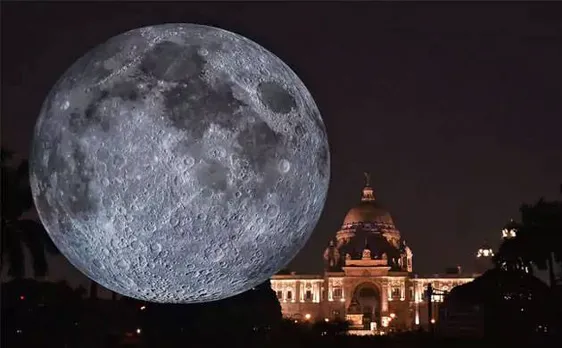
455, 108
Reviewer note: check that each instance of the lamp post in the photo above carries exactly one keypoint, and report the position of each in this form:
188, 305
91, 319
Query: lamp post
429, 297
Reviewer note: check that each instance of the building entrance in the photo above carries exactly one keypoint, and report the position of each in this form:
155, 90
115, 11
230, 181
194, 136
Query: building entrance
367, 298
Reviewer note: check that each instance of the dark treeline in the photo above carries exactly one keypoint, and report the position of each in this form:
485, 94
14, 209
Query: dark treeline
42, 314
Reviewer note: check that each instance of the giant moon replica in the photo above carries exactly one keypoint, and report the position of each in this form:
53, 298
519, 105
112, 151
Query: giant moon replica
179, 163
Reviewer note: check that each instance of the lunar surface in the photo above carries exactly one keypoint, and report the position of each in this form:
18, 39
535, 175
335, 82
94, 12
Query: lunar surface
179, 163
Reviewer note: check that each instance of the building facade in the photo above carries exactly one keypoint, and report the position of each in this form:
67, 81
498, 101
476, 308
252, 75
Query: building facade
368, 278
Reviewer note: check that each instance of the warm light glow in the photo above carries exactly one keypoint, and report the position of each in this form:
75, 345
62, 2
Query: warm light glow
139, 331
326, 319
342, 300
509, 233
392, 315
143, 308
307, 316
22, 297
485, 252
437, 298
433, 321
385, 321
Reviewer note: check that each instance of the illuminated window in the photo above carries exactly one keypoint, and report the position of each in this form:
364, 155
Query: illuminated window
337, 292
279, 294
411, 292
308, 295
289, 295
437, 298
395, 292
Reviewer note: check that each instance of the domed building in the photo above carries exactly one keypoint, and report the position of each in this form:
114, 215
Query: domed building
368, 277
368, 228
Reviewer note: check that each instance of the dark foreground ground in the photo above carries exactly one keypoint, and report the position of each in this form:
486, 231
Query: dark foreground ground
44, 314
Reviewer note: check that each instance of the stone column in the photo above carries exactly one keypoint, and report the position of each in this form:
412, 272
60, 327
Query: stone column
389, 286
315, 291
418, 291
384, 296
402, 290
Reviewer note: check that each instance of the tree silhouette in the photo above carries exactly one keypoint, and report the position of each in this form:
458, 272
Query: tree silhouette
93, 290
541, 233
253, 316
513, 255
538, 240
18, 232
513, 304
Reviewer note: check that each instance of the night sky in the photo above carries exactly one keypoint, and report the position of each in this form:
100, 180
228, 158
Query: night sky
454, 108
